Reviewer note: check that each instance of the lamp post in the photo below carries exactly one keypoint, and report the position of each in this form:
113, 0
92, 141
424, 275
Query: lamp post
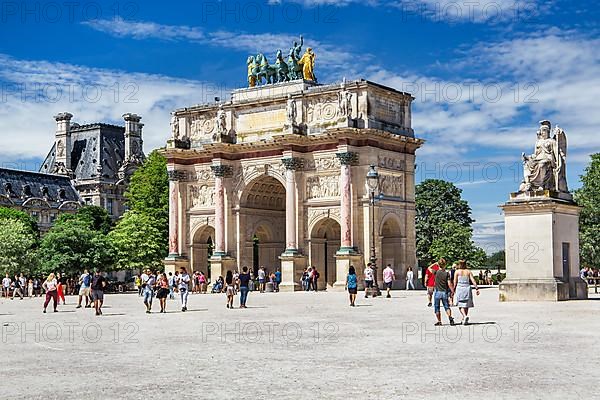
373, 185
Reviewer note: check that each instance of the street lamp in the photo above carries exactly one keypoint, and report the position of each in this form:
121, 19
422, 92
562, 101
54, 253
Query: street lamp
373, 185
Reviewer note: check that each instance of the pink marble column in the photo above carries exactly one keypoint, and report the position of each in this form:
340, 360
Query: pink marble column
291, 164
346, 159
174, 213
220, 172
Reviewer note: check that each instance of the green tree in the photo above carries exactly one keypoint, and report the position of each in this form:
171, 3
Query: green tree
453, 243
17, 247
28, 221
497, 260
588, 197
438, 203
73, 245
97, 216
148, 202
148, 191
137, 242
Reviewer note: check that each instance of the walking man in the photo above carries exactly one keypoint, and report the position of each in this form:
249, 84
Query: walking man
388, 278
430, 278
183, 282
85, 280
98, 285
369, 277
443, 286
149, 291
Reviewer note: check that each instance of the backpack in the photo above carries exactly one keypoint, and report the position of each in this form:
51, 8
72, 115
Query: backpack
86, 280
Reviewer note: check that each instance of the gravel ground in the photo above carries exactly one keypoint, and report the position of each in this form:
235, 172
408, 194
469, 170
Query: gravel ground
299, 345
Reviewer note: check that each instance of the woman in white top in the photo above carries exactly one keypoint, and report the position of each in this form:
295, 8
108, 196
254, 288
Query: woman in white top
409, 279
51, 287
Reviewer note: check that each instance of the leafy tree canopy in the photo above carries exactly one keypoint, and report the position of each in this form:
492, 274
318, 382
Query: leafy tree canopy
17, 247
28, 221
439, 203
138, 243
588, 197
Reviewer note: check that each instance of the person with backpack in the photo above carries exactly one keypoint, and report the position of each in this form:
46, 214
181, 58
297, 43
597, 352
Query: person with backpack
85, 280
352, 285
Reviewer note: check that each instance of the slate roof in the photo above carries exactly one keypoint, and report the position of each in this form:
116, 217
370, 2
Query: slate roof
98, 152
20, 186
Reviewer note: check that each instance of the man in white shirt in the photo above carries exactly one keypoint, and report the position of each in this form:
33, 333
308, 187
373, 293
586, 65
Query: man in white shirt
6, 285
388, 278
183, 281
261, 279
368, 274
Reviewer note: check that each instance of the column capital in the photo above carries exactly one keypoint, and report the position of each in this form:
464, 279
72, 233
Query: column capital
221, 171
293, 163
347, 158
176, 176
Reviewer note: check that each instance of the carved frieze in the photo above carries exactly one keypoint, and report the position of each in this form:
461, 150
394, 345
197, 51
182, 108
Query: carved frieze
201, 196
391, 186
322, 186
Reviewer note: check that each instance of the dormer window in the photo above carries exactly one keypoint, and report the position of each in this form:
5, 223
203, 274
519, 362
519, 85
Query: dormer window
27, 191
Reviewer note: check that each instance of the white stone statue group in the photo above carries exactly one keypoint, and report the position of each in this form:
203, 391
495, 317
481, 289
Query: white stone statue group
545, 169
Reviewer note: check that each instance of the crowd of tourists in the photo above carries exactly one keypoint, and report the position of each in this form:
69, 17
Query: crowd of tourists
445, 287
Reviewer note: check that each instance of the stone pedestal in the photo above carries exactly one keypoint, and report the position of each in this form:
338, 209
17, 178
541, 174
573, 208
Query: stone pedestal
343, 261
219, 265
542, 250
292, 266
173, 264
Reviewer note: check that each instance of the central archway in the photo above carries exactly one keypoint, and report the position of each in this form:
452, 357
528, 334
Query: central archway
202, 249
262, 222
324, 243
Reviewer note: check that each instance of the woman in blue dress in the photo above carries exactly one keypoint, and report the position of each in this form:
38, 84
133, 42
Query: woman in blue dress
462, 290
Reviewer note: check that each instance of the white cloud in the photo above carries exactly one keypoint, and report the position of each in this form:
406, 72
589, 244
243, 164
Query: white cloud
449, 11
91, 95
335, 58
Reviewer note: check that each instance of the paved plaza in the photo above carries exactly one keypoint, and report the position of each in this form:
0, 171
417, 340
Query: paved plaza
299, 345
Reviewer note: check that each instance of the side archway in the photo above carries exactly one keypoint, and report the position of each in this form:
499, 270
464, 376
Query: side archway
324, 243
392, 248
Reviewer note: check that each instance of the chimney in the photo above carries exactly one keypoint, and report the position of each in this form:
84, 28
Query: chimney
63, 145
133, 136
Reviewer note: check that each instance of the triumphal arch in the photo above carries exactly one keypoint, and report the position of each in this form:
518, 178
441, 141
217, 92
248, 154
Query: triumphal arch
276, 177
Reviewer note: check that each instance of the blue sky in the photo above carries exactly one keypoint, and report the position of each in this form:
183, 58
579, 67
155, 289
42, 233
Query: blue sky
483, 73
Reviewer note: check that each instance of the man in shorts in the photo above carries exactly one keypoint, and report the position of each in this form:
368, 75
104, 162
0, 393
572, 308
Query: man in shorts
6, 285
388, 278
430, 278
85, 280
443, 286
99, 283
261, 279
369, 278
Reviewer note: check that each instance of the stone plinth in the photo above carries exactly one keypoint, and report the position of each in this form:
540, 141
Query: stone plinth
219, 265
343, 261
173, 264
542, 251
291, 272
